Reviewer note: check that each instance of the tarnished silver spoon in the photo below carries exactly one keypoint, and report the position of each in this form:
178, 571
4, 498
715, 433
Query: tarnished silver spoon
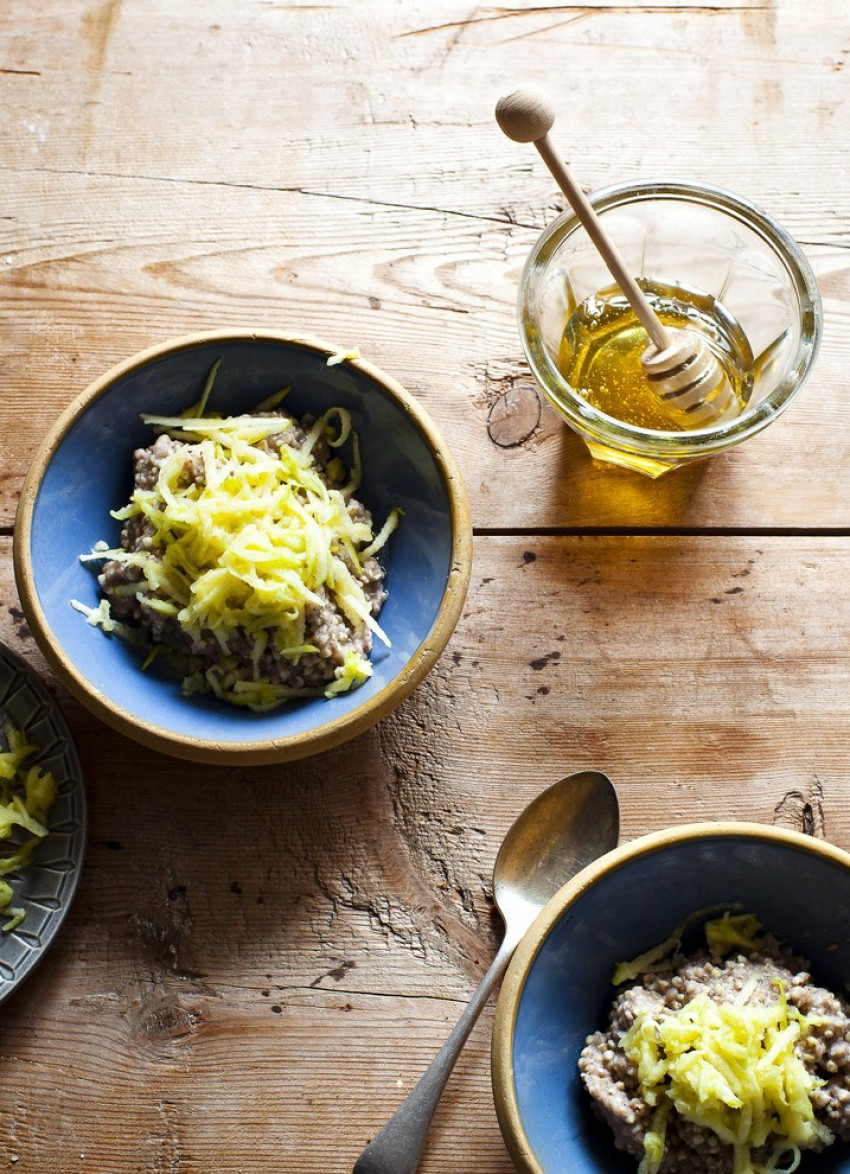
566, 827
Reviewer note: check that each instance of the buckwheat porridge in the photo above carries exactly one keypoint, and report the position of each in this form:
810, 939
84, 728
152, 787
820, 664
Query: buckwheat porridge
724, 1061
246, 561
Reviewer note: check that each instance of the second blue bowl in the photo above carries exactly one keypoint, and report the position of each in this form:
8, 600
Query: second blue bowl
558, 988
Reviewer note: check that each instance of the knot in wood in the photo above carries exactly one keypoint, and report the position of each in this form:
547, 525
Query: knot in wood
515, 415
164, 1022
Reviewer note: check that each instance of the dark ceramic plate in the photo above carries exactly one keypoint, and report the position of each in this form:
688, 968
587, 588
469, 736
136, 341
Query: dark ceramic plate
45, 889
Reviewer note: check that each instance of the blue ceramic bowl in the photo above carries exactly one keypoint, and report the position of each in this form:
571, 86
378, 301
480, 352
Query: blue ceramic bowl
83, 470
558, 987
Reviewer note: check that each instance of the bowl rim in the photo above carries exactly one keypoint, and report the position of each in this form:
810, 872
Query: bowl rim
266, 750
504, 1093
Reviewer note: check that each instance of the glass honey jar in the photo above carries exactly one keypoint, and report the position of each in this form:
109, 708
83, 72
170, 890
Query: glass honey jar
708, 261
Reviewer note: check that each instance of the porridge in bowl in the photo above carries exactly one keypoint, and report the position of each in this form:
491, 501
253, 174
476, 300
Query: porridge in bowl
246, 562
727, 1059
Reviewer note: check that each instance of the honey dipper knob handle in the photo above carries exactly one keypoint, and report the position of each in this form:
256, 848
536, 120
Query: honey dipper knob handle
525, 115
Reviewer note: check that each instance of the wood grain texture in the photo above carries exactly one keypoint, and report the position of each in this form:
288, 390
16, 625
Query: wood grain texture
260, 963
168, 170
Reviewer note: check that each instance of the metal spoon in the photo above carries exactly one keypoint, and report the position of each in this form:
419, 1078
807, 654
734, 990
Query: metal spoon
566, 827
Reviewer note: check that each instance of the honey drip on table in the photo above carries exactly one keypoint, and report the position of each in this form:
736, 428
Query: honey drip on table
603, 341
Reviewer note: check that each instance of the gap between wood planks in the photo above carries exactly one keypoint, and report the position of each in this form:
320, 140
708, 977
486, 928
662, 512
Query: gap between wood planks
662, 532
82, 173
636, 532
585, 9
507, 217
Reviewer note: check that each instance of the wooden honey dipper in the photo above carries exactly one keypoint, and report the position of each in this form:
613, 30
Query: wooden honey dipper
679, 364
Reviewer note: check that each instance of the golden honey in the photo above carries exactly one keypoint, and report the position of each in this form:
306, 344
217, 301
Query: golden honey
603, 341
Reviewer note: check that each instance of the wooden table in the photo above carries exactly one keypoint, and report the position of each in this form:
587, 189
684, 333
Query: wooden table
260, 963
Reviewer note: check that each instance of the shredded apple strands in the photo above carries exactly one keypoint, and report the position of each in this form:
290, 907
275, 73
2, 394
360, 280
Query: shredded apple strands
731, 1068
721, 934
26, 797
242, 551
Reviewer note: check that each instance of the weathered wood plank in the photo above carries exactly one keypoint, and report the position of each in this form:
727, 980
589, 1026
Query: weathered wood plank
387, 209
81, 296
313, 930
226, 90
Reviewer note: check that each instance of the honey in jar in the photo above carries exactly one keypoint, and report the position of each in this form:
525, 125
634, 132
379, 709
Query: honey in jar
602, 344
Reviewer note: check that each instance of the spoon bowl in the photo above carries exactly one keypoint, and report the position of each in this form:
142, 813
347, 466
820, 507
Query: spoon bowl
565, 828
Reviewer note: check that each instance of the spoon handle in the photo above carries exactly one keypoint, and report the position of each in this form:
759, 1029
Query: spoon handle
398, 1147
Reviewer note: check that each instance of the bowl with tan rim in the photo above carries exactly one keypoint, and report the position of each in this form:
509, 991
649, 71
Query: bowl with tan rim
83, 470
559, 987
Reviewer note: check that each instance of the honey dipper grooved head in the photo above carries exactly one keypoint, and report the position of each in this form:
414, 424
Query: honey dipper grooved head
688, 377
525, 115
